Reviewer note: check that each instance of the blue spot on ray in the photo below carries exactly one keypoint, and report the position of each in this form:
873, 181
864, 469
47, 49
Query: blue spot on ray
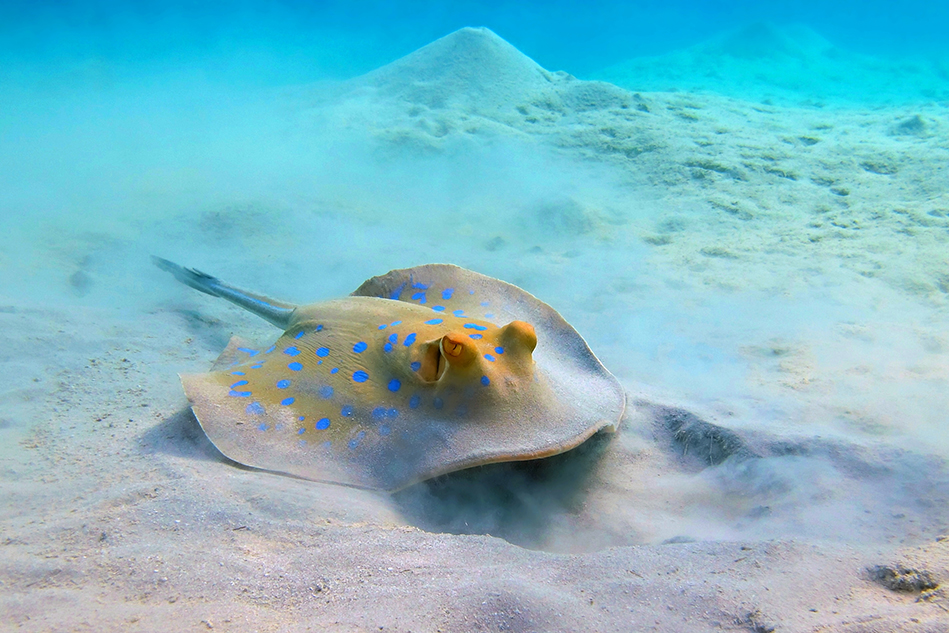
323, 352
322, 424
475, 336
257, 366
393, 338
387, 348
409, 339
395, 384
383, 326
475, 326
458, 313
360, 347
295, 366
255, 408
261, 427
283, 384
360, 376
299, 334
270, 349
334, 370
434, 321
489, 357
287, 401
379, 413
415, 401
239, 383
419, 296
319, 328
291, 351
237, 373
346, 411
447, 293
395, 323
485, 381
438, 308
239, 394
415, 366
301, 431
248, 351
499, 350
489, 316
484, 304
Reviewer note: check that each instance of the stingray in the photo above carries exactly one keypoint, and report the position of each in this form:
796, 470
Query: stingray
418, 373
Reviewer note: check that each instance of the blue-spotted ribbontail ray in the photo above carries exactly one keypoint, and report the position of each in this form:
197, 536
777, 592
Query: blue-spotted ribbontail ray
419, 372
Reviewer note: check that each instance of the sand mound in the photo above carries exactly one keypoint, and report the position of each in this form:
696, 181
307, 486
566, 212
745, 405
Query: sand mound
470, 83
472, 68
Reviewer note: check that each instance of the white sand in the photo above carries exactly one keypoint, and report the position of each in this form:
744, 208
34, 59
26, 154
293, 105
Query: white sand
780, 270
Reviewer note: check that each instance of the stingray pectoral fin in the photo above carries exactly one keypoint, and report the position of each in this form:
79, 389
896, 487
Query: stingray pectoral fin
242, 428
212, 415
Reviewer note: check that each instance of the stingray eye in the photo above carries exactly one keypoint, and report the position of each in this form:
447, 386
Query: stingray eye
458, 352
519, 335
452, 348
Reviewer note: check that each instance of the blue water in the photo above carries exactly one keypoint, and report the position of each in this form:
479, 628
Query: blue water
285, 42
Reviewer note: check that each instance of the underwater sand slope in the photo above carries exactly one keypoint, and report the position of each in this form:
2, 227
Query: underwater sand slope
119, 515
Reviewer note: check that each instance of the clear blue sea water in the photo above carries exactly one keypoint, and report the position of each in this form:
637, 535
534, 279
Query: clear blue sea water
275, 43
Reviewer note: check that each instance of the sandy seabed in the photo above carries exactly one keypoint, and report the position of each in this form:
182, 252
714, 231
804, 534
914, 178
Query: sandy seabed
769, 281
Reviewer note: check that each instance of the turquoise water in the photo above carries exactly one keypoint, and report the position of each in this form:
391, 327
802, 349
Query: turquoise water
296, 41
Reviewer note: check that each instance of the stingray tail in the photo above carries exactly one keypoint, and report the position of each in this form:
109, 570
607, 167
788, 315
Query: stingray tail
271, 310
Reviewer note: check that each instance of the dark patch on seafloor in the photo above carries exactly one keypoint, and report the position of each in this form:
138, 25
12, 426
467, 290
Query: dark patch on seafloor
901, 578
699, 444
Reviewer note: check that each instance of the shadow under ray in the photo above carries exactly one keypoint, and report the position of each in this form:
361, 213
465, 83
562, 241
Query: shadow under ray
516, 501
180, 435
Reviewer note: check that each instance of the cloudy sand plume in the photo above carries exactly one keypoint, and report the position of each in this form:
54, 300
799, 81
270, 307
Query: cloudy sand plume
767, 280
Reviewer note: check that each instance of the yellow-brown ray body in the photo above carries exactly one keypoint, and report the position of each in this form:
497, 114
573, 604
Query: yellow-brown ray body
421, 372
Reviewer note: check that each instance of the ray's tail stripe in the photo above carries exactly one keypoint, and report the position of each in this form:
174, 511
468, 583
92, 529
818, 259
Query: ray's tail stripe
276, 312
